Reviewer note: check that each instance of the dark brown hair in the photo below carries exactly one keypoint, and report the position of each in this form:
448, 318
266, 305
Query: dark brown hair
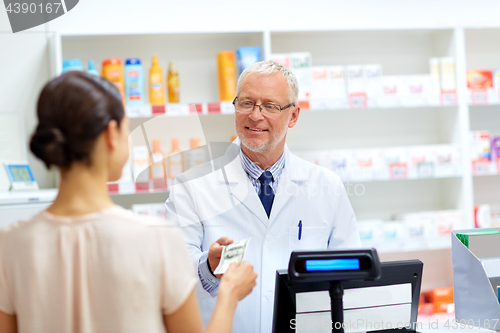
73, 109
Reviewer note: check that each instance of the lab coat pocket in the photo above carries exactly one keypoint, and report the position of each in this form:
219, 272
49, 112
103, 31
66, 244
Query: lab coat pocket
311, 238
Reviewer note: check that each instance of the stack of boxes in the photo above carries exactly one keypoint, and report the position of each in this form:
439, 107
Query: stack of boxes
364, 86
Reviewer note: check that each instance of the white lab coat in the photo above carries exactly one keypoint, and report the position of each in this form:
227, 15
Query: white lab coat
224, 203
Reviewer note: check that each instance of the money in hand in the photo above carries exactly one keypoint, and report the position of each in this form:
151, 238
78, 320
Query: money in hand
231, 253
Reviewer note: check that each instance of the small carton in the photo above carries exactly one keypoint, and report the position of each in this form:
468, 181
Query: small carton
342, 163
328, 88
390, 94
448, 162
418, 90
480, 146
372, 75
396, 162
447, 67
480, 86
356, 88
140, 164
300, 64
422, 162
368, 164
282, 59
370, 232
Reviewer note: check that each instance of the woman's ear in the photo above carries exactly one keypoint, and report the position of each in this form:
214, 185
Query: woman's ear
112, 134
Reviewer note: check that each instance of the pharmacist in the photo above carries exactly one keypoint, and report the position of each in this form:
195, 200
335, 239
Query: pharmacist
262, 191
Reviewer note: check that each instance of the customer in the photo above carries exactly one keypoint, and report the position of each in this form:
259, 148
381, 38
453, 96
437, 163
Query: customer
85, 264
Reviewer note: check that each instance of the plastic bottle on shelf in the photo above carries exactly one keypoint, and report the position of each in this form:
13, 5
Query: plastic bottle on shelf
112, 69
134, 82
196, 154
226, 74
156, 90
175, 161
91, 68
157, 169
72, 65
173, 83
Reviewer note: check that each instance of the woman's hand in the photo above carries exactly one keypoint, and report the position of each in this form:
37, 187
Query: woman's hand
238, 281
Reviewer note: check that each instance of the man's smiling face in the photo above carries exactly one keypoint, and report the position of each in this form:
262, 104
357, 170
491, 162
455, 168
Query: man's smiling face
258, 133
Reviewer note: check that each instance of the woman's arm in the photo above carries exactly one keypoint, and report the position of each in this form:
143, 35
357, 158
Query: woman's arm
236, 284
8, 323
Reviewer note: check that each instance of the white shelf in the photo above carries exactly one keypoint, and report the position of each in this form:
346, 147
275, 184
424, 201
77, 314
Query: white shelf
12, 198
411, 244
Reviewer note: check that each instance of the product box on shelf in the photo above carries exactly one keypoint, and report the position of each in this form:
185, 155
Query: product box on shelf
448, 81
368, 164
150, 209
281, 58
356, 88
318, 157
341, 162
496, 84
328, 88
480, 86
140, 164
372, 75
448, 163
418, 90
247, 56
300, 64
422, 162
495, 153
371, 232
390, 93
396, 163
480, 152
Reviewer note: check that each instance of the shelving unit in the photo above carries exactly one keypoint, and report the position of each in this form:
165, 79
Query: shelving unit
482, 53
400, 52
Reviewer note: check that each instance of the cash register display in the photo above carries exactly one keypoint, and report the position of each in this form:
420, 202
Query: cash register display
21, 173
332, 265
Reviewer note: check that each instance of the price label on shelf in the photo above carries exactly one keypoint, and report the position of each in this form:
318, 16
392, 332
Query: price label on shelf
425, 170
481, 167
177, 109
138, 111
448, 98
226, 108
479, 97
398, 171
358, 101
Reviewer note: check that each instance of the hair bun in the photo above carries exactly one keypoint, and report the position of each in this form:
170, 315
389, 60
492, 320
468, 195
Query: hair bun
49, 144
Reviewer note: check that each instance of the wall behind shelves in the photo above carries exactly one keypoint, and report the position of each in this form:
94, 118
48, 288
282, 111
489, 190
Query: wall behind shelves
24, 69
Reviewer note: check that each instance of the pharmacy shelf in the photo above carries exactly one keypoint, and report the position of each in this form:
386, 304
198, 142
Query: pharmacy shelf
410, 244
27, 197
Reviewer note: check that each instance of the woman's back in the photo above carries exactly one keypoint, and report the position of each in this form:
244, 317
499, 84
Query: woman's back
109, 271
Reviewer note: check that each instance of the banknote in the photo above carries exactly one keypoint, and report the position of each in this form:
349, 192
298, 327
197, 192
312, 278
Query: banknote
231, 253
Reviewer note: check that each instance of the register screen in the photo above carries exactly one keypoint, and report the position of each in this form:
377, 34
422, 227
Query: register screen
332, 265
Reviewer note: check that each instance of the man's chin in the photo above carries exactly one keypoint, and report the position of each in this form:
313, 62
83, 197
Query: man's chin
256, 147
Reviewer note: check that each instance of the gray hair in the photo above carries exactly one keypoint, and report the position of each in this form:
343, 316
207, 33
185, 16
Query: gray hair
270, 67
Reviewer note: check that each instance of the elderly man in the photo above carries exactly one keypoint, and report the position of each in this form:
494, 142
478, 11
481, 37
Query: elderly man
261, 190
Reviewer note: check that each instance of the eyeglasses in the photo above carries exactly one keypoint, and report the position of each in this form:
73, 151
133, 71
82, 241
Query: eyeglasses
267, 109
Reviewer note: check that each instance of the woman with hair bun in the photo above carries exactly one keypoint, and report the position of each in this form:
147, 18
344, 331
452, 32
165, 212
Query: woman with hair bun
85, 264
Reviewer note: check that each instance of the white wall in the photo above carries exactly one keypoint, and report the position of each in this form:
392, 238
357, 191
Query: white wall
24, 69
128, 16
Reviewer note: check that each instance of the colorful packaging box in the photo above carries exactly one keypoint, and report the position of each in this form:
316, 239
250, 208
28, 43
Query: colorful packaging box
390, 94
422, 162
480, 86
396, 162
356, 88
480, 146
247, 56
300, 64
418, 90
328, 89
448, 163
372, 75
281, 58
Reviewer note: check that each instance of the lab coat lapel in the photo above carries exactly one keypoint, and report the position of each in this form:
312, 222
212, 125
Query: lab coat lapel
242, 189
294, 174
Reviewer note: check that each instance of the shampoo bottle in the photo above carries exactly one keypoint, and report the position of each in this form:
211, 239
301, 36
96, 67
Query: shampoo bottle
157, 169
173, 83
175, 161
134, 82
91, 68
156, 90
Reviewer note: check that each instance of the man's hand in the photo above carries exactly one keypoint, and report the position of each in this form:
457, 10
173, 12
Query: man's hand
215, 252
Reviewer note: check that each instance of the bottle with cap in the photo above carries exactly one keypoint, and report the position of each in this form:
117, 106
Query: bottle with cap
91, 68
175, 160
173, 83
112, 69
72, 65
196, 155
134, 82
156, 90
157, 169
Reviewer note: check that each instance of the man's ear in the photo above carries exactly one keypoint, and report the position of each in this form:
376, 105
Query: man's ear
111, 134
295, 117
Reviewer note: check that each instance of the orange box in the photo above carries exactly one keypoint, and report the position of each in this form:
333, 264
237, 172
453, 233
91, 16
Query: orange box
437, 295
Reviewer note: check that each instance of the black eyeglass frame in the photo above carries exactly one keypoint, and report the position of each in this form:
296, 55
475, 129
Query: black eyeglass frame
260, 105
